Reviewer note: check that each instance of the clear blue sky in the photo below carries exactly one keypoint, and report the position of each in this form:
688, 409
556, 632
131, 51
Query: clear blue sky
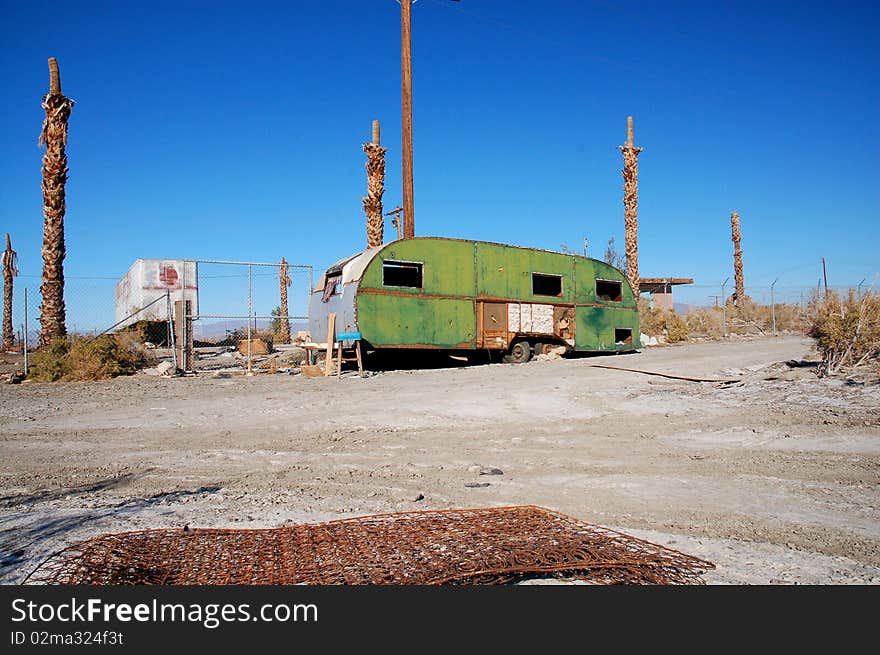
233, 130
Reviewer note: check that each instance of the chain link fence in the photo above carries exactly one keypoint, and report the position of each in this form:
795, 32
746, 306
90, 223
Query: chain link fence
230, 301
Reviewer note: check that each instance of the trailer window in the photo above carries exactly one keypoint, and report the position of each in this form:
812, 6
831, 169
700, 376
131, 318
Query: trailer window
623, 336
608, 290
331, 286
402, 274
546, 285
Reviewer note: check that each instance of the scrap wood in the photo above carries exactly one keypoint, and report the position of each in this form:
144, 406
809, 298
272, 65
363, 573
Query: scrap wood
667, 375
433, 547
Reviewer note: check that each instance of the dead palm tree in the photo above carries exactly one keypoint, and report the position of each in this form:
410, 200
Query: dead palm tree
54, 137
375, 189
631, 206
10, 270
284, 282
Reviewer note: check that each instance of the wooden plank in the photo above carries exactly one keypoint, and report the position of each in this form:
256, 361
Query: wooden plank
357, 348
331, 331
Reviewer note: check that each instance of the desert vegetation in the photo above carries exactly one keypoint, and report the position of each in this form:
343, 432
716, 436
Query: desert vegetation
76, 358
846, 329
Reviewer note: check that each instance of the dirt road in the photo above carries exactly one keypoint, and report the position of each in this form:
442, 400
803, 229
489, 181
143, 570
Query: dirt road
775, 480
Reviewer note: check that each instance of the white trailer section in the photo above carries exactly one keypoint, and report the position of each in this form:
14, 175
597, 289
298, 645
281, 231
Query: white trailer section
150, 279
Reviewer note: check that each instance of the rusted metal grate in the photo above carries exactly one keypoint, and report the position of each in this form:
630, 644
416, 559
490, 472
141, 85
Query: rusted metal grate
470, 546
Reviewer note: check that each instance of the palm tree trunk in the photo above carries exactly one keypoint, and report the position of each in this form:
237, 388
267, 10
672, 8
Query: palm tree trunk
54, 137
375, 190
10, 270
631, 207
284, 281
739, 279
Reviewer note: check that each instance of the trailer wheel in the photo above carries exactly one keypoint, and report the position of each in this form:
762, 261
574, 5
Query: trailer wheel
520, 353
541, 347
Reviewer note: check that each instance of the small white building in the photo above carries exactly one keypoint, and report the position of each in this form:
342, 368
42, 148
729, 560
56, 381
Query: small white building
149, 280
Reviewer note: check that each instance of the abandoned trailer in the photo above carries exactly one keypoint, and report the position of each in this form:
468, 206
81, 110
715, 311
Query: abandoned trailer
456, 295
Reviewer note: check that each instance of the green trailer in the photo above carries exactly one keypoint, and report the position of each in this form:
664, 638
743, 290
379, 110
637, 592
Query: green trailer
457, 295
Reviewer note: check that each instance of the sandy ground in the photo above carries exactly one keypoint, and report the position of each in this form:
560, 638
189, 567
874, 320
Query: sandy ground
774, 480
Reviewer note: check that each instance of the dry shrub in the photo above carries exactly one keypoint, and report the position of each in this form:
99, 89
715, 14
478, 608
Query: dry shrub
70, 359
657, 323
749, 316
846, 329
705, 323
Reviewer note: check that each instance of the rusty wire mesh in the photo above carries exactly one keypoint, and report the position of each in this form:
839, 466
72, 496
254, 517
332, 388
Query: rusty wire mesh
472, 546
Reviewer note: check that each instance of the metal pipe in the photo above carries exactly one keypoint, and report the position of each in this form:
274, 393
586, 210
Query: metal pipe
223, 261
196, 317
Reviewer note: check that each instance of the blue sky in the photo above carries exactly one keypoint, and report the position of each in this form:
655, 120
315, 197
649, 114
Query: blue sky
233, 130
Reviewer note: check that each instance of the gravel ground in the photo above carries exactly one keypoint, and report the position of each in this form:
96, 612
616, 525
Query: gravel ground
774, 478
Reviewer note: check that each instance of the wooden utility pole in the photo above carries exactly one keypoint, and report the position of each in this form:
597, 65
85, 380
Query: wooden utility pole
739, 280
406, 101
396, 220
631, 206
375, 190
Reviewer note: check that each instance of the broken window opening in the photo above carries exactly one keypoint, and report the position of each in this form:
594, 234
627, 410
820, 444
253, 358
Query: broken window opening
402, 274
331, 287
623, 336
546, 285
609, 290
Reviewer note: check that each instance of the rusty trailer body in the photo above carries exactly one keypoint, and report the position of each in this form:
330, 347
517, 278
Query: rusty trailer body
457, 295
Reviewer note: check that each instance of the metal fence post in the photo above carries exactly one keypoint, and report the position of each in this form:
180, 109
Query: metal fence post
184, 337
724, 308
773, 305
250, 312
25, 334
171, 329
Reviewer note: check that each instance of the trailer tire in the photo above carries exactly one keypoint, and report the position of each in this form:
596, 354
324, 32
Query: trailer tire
520, 353
541, 347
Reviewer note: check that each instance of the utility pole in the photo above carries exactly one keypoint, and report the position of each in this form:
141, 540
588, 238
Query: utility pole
406, 102
409, 229
585, 246
773, 305
724, 308
396, 220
